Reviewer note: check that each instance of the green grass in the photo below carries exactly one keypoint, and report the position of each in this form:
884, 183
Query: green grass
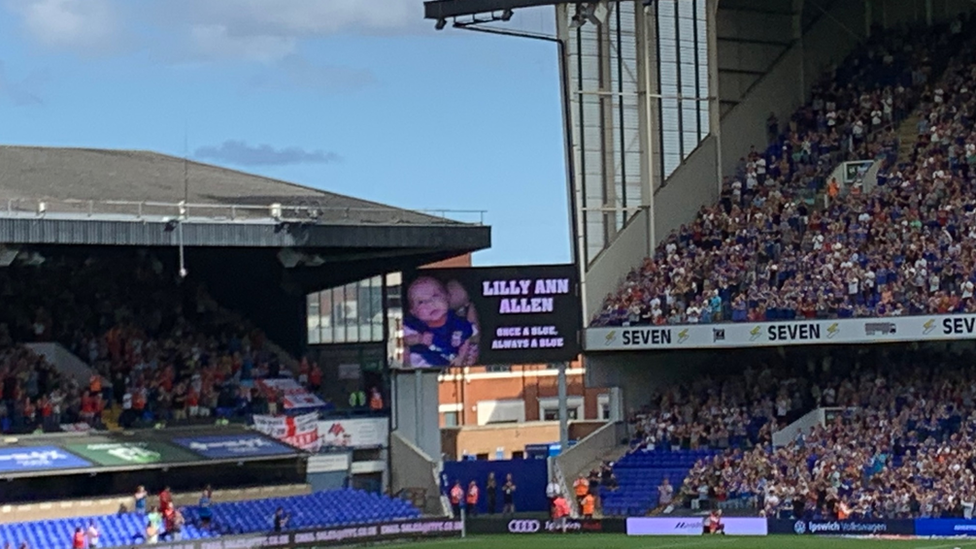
620, 541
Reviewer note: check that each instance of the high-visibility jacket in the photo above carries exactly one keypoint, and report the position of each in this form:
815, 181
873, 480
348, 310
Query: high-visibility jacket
456, 494
473, 495
582, 487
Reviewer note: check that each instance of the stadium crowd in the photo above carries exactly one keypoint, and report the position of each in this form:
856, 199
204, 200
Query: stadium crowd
168, 350
902, 447
900, 444
768, 252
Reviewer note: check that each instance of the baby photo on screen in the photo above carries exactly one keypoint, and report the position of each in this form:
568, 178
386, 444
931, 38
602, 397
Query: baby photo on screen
440, 325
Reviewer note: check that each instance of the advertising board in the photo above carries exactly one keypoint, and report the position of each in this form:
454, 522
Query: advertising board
372, 432
39, 458
945, 527
233, 446
694, 526
770, 334
540, 524
328, 537
842, 527
503, 315
131, 453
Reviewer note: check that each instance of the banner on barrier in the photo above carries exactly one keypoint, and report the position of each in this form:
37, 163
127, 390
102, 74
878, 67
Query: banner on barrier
843, 331
842, 527
694, 526
299, 431
945, 527
294, 396
370, 432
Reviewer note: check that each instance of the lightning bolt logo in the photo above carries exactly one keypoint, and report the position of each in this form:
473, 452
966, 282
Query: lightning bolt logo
611, 337
683, 335
755, 333
832, 330
928, 326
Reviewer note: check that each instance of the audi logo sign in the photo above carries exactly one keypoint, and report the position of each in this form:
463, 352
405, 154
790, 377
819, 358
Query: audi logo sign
524, 526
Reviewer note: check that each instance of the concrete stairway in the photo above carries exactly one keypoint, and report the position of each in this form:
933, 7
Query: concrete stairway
907, 134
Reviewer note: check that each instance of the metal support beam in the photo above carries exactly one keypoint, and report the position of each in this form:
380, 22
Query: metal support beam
755, 42
741, 71
563, 410
446, 9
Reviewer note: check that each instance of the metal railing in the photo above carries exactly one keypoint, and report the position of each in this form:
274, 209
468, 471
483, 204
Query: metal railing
305, 211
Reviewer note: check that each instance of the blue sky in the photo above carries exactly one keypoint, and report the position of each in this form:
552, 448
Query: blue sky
360, 97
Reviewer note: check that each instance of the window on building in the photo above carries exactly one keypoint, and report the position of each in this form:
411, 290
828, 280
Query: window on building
498, 368
518, 454
552, 414
481, 457
450, 419
347, 314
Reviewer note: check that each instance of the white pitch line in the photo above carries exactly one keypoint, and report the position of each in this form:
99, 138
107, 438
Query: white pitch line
693, 543
948, 546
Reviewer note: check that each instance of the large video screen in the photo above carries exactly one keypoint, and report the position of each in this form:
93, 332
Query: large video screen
491, 315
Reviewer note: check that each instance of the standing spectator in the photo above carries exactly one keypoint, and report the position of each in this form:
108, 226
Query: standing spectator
280, 520
581, 487
205, 512
588, 506
472, 499
177, 527
456, 495
552, 491
165, 501
665, 494
508, 495
140, 496
491, 492
93, 535
560, 511
152, 533
78, 542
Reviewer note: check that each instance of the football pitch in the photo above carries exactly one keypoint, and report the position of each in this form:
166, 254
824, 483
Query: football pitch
620, 541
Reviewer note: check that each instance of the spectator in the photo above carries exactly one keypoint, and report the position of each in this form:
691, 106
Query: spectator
491, 492
456, 496
508, 495
472, 499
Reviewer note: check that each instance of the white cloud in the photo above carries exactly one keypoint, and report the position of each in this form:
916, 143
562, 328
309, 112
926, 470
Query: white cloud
87, 26
264, 31
301, 18
216, 42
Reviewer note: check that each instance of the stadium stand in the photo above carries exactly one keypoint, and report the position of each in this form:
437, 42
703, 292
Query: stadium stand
169, 354
320, 509
904, 446
769, 251
639, 475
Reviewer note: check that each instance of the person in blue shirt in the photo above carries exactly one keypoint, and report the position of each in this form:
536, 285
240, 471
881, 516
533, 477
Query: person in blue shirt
434, 334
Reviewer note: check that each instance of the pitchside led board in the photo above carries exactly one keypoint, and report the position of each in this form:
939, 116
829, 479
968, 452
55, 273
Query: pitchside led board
491, 315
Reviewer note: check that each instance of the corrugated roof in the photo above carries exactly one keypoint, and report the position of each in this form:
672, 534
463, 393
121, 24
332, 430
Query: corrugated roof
113, 181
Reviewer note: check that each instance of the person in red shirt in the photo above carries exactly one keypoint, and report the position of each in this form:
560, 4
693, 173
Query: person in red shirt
560, 512
79, 539
715, 525
472, 499
165, 500
457, 494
